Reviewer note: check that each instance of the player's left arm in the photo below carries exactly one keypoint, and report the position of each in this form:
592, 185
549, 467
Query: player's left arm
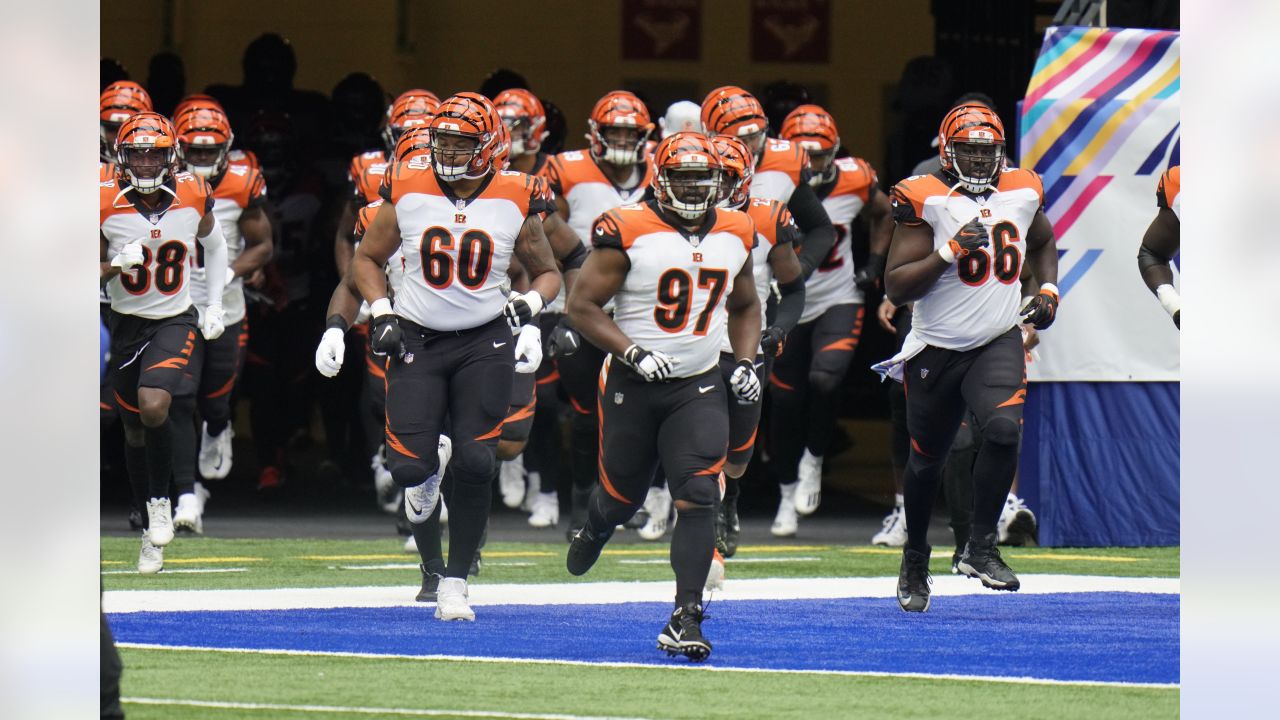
812, 218
743, 306
255, 228
566, 247
880, 219
209, 235
1042, 258
1159, 245
105, 268
534, 252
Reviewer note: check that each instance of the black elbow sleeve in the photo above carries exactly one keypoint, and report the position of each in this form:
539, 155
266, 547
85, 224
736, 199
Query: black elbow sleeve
575, 258
791, 306
1147, 258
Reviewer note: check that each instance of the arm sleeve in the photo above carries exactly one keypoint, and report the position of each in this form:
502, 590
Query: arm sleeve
904, 209
791, 305
215, 256
575, 258
813, 221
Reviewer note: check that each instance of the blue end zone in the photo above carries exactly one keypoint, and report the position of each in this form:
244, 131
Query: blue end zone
1116, 637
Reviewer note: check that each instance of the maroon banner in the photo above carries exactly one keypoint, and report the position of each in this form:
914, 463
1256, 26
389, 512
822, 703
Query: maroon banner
661, 29
791, 31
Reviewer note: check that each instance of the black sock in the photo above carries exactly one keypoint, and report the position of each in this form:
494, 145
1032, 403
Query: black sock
992, 477
159, 459
135, 462
427, 536
692, 543
919, 487
468, 515
732, 488
215, 426
182, 416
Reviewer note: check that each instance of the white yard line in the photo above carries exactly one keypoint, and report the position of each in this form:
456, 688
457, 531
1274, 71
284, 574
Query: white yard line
345, 710
729, 561
413, 566
603, 593
189, 571
658, 666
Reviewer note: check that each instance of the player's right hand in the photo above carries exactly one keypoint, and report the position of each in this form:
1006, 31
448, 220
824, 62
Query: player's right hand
130, 256
745, 383
386, 337
655, 365
563, 341
885, 314
772, 340
329, 354
971, 236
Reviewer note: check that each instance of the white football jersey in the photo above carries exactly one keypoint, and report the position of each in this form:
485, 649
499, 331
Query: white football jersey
783, 166
831, 283
774, 226
456, 252
674, 296
160, 287
574, 176
241, 187
977, 299
394, 268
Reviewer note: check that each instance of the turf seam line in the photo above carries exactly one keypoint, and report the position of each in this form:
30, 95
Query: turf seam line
645, 666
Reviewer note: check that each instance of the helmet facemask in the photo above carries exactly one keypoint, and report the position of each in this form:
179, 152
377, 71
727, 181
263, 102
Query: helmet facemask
975, 162
453, 154
618, 144
203, 157
692, 191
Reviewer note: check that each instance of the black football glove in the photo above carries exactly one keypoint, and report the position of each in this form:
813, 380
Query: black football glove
385, 337
563, 341
971, 236
772, 340
868, 277
1042, 310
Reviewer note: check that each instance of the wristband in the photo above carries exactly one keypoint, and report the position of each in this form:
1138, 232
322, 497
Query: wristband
1169, 298
336, 321
948, 255
1052, 289
380, 307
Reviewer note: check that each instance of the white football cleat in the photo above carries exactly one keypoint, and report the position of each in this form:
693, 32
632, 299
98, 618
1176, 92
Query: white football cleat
150, 557
420, 500
160, 519
411, 545
546, 510
809, 485
786, 522
511, 481
215, 453
384, 485
894, 529
715, 576
188, 515
451, 601
657, 503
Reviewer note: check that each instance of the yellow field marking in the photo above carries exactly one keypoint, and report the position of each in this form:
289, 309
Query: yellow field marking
112, 562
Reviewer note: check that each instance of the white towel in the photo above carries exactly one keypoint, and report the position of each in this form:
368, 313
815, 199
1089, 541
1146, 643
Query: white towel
894, 366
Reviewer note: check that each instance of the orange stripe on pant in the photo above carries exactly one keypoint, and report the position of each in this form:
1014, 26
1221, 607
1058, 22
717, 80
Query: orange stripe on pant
714, 469
395, 444
224, 389
522, 413
750, 441
120, 401
604, 476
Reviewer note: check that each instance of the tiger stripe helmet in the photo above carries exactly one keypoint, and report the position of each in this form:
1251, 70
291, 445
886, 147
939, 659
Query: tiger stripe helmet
730, 110
739, 169
688, 174
464, 115
117, 103
145, 150
619, 109
814, 129
204, 138
526, 120
413, 142
965, 133
413, 108
196, 100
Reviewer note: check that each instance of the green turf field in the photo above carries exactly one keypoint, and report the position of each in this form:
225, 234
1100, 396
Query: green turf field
277, 687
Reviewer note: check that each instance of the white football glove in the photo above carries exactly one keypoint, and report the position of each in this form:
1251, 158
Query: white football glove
130, 256
521, 308
211, 325
330, 353
745, 383
652, 365
528, 349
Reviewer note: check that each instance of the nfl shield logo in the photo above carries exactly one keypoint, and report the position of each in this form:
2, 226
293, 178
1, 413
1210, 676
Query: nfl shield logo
408, 358
924, 373
617, 398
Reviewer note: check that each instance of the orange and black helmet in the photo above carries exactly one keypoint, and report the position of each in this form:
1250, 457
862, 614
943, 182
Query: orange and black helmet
413, 108
463, 116
730, 110
619, 109
814, 129
739, 168
197, 100
522, 112
145, 150
413, 142
971, 145
117, 102
204, 137
688, 174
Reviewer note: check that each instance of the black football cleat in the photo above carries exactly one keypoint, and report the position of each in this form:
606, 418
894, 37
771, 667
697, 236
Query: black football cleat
981, 559
430, 583
474, 569
914, 580
135, 520
584, 550
955, 561
683, 634
732, 527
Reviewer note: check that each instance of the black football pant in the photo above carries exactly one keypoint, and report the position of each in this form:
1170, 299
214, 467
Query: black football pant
542, 454
940, 384
580, 376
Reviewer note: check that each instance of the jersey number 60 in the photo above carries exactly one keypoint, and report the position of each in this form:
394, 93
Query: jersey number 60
474, 252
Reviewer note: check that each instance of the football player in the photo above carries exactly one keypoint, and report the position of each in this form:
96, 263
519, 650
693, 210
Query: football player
679, 273
957, 253
1161, 243
152, 217
449, 333
613, 171
118, 102
808, 374
773, 260
239, 199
